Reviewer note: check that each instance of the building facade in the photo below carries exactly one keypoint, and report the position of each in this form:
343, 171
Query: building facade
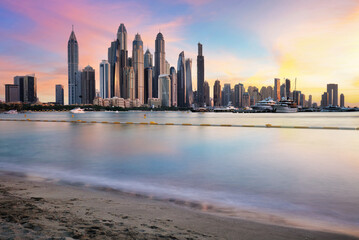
12, 93
206, 94
332, 90
276, 89
173, 76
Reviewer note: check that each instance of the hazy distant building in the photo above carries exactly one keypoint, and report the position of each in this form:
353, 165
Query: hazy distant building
88, 85
59, 91
226, 94
296, 96
270, 92
287, 88
173, 76
160, 62
148, 59
325, 100
73, 65
78, 92
238, 95
148, 84
129, 78
302, 100
104, 79
310, 101
164, 90
217, 94
27, 88
276, 89
181, 80
189, 91
342, 103
12, 93
200, 76
283, 93
206, 94
332, 90
138, 67
246, 100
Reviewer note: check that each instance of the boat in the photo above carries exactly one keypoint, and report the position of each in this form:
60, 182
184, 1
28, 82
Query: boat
77, 110
11, 112
286, 106
264, 105
331, 108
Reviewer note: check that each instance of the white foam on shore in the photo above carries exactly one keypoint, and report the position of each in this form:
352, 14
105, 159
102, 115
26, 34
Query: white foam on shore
250, 207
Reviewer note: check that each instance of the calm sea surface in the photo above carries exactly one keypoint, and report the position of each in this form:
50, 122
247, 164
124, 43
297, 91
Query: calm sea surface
300, 176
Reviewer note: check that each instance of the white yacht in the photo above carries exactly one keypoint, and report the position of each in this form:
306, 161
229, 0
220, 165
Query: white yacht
11, 112
286, 106
77, 110
266, 104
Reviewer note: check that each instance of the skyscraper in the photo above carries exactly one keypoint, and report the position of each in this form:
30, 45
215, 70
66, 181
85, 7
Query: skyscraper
283, 91
310, 101
325, 100
332, 90
217, 94
181, 80
160, 61
226, 95
138, 67
342, 102
12, 93
148, 62
206, 94
189, 91
88, 85
27, 88
59, 91
78, 93
200, 76
238, 95
287, 88
114, 61
164, 90
276, 89
173, 76
73, 65
129, 78
148, 84
123, 61
104, 79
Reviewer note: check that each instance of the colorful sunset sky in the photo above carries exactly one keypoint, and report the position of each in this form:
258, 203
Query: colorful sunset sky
244, 41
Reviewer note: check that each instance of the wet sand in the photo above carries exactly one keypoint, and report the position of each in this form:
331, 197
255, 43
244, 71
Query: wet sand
33, 209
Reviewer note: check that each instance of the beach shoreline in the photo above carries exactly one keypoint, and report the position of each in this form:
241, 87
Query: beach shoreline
42, 209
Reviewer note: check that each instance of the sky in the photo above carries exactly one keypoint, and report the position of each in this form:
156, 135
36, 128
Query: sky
244, 41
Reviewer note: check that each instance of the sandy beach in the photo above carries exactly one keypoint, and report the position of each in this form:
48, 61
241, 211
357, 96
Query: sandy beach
34, 209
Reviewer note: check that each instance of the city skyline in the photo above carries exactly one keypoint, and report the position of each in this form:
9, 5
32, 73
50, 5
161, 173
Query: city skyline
243, 64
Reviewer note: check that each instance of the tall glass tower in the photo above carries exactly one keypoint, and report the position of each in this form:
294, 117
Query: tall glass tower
138, 67
160, 61
73, 65
181, 80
